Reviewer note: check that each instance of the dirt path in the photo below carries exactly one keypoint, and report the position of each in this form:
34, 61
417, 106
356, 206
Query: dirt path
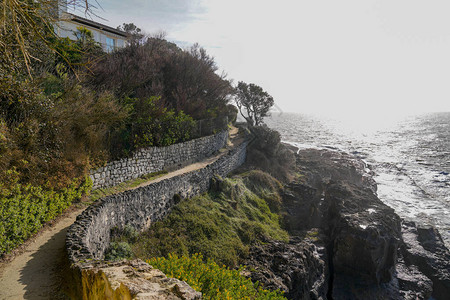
233, 141
36, 272
33, 274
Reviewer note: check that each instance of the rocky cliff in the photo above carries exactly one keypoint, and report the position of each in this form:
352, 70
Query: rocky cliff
346, 243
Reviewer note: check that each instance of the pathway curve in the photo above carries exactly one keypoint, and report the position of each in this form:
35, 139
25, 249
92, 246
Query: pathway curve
37, 271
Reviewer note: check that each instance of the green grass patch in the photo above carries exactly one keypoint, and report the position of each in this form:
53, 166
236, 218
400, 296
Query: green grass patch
212, 280
221, 224
121, 187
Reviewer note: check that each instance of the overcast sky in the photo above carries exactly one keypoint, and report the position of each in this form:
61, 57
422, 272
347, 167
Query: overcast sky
315, 55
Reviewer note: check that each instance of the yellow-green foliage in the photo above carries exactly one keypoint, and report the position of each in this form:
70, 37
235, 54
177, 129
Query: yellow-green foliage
214, 281
221, 224
25, 208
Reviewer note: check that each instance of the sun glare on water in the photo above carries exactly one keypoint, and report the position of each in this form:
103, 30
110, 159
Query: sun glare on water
363, 124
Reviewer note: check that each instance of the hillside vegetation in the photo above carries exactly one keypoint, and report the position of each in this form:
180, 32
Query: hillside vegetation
221, 224
211, 279
205, 239
67, 107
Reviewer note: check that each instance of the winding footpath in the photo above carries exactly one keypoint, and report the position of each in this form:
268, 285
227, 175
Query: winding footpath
37, 271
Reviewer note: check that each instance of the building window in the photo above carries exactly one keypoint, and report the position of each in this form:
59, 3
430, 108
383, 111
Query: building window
110, 44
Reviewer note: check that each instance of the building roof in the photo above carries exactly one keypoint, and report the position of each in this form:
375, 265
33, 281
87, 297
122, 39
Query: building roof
94, 24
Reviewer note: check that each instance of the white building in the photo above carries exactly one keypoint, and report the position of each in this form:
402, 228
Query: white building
109, 38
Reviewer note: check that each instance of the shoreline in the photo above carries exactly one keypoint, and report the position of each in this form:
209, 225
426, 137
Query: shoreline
399, 209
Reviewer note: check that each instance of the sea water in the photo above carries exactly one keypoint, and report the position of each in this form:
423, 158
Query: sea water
410, 156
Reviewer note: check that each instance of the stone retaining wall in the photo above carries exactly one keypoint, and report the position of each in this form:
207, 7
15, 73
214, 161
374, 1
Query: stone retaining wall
154, 159
88, 238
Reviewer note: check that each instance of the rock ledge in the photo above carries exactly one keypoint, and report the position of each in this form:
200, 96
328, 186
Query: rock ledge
133, 280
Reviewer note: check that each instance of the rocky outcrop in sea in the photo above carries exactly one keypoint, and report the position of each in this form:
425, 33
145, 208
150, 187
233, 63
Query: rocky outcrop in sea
347, 244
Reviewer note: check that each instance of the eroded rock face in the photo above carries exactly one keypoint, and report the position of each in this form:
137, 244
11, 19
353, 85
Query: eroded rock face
423, 247
297, 268
362, 235
302, 204
322, 166
412, 284
133, 280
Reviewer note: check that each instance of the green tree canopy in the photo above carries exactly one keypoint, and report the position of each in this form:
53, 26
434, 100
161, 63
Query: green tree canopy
253, 102
135, 34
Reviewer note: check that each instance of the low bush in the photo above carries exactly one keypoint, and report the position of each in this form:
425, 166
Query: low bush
267, 153
118, 251
212, 280
126, 233
25, 208
155, 125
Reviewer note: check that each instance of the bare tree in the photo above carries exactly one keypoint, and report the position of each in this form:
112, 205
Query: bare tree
253, 102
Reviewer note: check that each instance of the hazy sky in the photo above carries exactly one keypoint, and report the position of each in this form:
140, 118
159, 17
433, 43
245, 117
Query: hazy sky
315, 55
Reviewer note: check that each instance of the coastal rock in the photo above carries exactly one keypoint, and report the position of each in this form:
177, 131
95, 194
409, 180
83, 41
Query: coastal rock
297, 268
412, 284
302, 205
364, 234
322, 166
367, 252
423, 247
133, 280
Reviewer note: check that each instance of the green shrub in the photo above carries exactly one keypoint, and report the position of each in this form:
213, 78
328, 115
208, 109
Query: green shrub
267, 153
118, 251
149, 124
265, 139
212, 280
25, 208
163, 130
127, 233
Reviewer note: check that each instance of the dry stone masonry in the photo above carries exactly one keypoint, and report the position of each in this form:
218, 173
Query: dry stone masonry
156, 159
89, 236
